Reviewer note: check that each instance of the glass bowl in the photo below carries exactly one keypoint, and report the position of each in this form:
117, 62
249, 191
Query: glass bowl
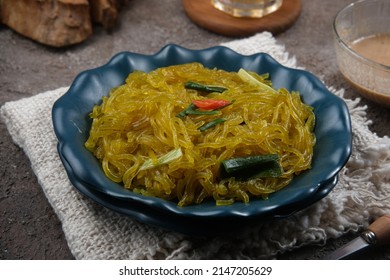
362, 44
71, 124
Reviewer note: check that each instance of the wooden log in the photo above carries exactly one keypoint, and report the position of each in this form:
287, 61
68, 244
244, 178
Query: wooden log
52, 22
59, 23
104, 12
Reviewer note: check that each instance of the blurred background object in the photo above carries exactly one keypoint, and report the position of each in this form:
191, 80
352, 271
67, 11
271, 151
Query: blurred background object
221, 17
59, 23
362, 42
247, 8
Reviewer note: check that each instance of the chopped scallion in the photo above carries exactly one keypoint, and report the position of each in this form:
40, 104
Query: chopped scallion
167, 158
247, 77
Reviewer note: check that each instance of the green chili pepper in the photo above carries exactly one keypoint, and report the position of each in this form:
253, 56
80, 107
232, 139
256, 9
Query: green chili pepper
211, 124
252, 167
199, 112
183, 113
193, 110
205, 88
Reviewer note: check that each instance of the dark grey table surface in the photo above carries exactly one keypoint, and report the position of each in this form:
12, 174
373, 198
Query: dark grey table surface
29, 229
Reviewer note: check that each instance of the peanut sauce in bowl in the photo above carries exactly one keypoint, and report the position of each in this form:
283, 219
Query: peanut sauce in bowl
362, 44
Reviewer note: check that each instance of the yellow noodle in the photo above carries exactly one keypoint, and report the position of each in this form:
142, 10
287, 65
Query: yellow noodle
138, 122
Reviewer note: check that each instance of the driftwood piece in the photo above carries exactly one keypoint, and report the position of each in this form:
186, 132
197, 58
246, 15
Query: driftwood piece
104, 12
52, 22
59, 23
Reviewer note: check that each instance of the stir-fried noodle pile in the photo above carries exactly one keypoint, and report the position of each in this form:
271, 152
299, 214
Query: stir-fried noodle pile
150, 135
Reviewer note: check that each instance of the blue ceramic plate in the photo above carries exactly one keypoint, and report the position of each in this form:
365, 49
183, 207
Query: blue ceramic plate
72, 124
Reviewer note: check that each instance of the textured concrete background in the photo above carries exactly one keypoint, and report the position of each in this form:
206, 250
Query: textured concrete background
29, 229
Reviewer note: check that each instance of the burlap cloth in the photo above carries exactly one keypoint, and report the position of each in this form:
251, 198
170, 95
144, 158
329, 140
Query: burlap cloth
93, 232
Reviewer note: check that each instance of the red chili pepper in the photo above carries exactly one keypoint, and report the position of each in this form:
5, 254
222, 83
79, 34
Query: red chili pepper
211, 104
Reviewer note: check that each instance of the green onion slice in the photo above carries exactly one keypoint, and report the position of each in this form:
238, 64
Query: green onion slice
250, 78
167, 158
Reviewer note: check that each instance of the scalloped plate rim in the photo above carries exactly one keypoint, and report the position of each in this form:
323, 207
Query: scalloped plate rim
166, 205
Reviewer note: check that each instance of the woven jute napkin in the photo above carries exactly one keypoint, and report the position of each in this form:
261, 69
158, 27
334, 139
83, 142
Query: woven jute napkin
94, 232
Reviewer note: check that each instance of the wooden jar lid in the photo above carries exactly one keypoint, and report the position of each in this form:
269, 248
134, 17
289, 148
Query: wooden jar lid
202, 13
